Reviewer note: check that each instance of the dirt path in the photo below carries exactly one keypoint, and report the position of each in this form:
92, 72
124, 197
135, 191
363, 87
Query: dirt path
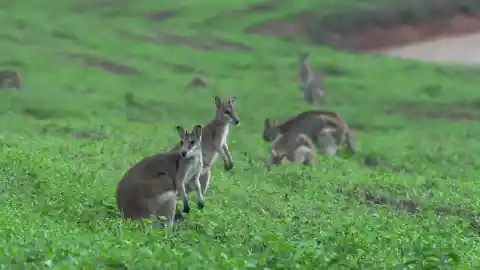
461, 49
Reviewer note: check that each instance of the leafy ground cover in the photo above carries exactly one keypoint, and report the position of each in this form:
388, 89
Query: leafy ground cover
105, 83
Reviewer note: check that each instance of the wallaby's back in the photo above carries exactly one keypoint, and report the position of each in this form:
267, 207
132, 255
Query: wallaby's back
310, 122
148, 185
297, 147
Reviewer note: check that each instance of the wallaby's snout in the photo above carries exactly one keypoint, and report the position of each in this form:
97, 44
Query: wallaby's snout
183, 153
236, 122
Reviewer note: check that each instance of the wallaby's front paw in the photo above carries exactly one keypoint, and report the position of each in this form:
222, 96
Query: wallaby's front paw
179, 217
201, 205
228, 167
186, 208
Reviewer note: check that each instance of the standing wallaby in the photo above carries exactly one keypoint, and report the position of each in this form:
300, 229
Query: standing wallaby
312, 123
311, 82
214, 139
150, 186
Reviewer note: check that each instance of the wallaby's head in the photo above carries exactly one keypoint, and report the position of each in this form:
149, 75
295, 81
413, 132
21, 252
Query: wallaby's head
190, 143
226, 110
302, 56
270, 130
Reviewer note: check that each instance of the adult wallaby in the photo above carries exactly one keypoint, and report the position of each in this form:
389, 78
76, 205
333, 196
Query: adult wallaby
214, 139
149, 188
311, 81
312, 123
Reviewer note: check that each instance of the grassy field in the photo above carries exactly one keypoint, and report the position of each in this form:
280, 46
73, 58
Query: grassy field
105, 86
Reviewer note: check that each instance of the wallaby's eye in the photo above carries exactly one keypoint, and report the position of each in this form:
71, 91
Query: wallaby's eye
227, 112
192, 143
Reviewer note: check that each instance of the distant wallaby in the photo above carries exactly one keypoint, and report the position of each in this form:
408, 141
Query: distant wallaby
311, 82
214, 138
10, 79
149, 187
297, 147
312, 123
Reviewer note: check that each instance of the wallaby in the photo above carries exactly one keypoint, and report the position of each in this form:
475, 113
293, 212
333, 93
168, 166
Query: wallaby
214, 139
311, 82
10, 79
150, 186
312, 123
297, 147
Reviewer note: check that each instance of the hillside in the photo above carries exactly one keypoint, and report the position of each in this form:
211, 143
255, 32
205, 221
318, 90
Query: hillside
105, 82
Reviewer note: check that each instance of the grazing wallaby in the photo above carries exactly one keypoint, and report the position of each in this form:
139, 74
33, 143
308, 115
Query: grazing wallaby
311, 82
214, 139
149, 187
297, 147
311, 123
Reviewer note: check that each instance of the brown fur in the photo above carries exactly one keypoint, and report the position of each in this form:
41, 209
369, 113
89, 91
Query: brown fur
149, 188
10, 79
311, 81
297, 147
311, 123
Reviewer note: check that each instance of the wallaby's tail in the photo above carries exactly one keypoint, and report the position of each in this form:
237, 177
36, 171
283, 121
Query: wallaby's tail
350, 142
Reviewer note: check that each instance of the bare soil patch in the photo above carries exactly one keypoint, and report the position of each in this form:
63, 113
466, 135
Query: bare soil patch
197, 82
180, 68
159, 16
238, 13
43, 113
460, 111
12, 63
109, 66
365, 30
204, 44
108, 8
257, 8
70, 37
150, 111
376, 198
68, 131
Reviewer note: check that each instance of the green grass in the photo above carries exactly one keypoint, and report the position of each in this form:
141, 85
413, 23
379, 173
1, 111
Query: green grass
57, 184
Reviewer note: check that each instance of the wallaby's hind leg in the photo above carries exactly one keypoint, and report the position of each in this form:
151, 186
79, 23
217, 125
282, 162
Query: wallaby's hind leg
303, 155
339, 136
317, 96
205, 180
163, 207
307, 95
350, 142
329, 144
309, 157
198, 189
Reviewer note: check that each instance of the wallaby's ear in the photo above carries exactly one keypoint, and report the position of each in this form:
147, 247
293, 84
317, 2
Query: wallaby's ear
267, 122
197, 130
180, 130
232, 100
218, 101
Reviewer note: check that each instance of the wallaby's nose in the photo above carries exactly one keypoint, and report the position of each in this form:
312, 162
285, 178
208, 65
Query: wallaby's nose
236, 122
183, 153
